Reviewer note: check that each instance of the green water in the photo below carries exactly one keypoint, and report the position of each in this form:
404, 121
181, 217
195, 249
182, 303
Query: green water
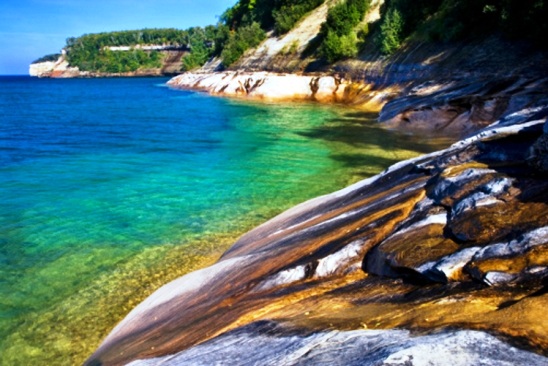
113, 187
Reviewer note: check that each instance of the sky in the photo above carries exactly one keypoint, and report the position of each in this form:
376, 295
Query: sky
30, 29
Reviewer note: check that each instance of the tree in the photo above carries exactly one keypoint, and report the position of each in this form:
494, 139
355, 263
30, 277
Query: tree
241, 40
390, 34
338, 30
337, 47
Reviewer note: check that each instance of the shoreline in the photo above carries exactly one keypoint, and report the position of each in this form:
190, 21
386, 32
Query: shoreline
285, 87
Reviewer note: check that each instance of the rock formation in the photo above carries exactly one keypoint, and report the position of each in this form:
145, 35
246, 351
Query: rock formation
171, 65
457, 239
446, 252
276, 86
54, 69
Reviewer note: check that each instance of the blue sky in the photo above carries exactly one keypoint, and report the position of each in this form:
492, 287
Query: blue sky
30, 29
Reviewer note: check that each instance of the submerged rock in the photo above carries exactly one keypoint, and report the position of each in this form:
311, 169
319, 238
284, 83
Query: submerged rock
454, 239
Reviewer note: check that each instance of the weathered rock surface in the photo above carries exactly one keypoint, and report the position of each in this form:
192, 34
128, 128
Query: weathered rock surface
457, 239
270, 344
460, 106
278, 87
453, 106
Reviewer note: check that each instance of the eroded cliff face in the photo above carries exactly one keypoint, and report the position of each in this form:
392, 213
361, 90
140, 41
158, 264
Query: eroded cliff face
171, 65
456, 240
282, 87
59, 69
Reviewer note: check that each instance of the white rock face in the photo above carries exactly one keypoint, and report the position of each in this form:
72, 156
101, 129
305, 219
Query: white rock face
59, 68
265, 85
41, 68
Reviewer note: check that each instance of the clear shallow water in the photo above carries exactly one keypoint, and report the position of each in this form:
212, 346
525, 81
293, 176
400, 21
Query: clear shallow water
111, 187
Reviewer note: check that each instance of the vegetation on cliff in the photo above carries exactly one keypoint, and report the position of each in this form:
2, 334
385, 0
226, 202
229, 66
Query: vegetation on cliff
345, 33
280, 15
243, 26
338, 32
450, 20
92, 52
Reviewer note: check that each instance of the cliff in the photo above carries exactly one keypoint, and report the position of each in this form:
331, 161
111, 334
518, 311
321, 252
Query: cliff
58, 68
170, 65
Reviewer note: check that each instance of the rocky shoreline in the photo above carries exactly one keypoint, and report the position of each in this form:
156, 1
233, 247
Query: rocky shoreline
282, 87
455, 240
456, 106
448, 253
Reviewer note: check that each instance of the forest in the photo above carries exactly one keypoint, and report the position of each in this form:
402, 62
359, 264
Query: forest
343, 35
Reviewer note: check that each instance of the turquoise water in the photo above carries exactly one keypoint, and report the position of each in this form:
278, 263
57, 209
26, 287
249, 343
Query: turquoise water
109, 184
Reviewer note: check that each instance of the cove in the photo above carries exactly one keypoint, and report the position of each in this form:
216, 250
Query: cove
113, 187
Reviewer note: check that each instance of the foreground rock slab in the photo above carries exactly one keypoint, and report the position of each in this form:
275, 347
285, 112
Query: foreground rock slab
272, 345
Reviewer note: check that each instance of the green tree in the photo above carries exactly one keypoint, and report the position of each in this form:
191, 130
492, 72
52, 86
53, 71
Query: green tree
337, 47
240, 41
390, 31
339, 30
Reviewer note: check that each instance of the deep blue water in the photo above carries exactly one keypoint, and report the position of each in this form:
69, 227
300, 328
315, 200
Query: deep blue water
95, 171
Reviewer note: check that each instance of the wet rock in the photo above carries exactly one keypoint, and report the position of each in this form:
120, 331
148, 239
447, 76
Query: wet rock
538, 155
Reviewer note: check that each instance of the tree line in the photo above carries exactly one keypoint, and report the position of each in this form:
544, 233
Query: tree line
343, 34
90, 52
453, 20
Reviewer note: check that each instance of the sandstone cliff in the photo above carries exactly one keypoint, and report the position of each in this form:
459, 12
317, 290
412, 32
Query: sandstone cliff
171, 65
59, 68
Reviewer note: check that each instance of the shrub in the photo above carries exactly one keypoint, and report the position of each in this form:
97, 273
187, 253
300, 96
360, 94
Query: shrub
335, 47
240, 41
339, 39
